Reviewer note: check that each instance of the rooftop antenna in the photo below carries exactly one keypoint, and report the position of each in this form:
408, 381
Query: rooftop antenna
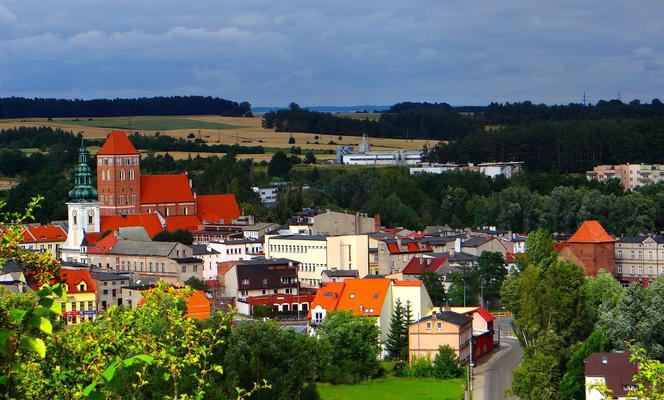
584, 98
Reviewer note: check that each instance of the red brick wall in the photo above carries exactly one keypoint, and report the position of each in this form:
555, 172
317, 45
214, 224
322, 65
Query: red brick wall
173, 208
591, 257
118, 195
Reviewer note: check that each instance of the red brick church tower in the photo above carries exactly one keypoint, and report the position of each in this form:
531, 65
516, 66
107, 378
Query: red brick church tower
118, 176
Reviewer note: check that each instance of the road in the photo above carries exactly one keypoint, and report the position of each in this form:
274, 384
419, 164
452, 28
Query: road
494, 374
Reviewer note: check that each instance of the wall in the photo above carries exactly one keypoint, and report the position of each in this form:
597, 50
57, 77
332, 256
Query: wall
348, 252
118, 195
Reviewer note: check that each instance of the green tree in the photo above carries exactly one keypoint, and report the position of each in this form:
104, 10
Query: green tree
446, 364
310, 158
264, 351
536, 378
351, 344
395, 337
572, 385
279, 166
196, 284
492, 271
180, 236
434, 285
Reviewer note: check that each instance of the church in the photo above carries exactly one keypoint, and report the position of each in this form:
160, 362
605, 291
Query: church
125, 198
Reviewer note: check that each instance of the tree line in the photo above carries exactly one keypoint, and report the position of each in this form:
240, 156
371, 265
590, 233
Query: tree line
21, 107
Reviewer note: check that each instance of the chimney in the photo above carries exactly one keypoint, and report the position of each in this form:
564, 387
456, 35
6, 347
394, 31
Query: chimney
457, 245
433, 314
377, 222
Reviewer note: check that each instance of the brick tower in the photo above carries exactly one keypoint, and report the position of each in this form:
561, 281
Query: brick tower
118, 175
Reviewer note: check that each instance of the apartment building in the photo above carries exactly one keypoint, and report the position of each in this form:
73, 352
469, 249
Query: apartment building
317, 253
169, 261
639, 258
631, 176
44, 238
109, 288
426, 335
260, 277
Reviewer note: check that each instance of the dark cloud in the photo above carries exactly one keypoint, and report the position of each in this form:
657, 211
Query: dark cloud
341, 52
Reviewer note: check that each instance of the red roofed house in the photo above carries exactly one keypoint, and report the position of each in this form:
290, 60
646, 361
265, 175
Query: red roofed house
370, 297
591, 248
482, 329
614, 370
44, 238
81, 302
150, 222
217, 208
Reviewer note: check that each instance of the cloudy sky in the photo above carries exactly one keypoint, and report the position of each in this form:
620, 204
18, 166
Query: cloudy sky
334, 52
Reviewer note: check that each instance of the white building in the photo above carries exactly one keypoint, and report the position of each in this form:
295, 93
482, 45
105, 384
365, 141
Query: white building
395, 157
268, 194
507, 169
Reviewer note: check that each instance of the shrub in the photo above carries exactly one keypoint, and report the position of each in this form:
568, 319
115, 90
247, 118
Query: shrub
446, 363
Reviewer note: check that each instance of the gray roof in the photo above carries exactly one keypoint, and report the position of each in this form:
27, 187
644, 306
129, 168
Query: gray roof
238, 241
108, 276
136, 233
259, 226
136, 248
458, 256
266, 261
301, 237
341, 273
11, 266
451, 317
437, 240
475, 242
631, 239
201, 249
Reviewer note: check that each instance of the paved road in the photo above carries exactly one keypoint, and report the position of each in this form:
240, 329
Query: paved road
494, 375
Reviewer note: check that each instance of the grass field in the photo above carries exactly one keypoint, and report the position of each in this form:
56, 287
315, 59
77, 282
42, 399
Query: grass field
146, 123
217, 130
396, 389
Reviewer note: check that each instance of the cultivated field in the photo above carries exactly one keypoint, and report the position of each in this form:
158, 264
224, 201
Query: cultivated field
213, 129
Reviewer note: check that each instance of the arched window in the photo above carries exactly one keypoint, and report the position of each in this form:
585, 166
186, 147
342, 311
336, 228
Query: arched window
122, 175
131, 174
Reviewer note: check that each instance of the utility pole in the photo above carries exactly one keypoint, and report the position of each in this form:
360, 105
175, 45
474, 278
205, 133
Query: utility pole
584, 98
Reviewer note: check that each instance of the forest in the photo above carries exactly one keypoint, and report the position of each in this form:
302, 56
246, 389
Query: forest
20, 107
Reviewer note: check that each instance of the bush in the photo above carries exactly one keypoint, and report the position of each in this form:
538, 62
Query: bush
446, 364
261, 311
421, 368
291, 140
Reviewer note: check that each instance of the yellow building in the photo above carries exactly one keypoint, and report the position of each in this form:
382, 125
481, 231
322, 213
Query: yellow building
81, 303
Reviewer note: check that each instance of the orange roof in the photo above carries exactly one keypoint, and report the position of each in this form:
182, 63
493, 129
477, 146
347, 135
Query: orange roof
415, 282
198, 306
590, 232
327, 296
104, 245
217, 207
117, 143
184, 222
168, 188
73, 277
150, 222
43, 234
364, 296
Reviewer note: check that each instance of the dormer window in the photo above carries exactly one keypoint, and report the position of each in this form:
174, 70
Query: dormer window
352, 295
82, 287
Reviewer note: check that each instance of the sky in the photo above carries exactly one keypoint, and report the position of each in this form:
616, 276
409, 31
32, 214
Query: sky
334, 52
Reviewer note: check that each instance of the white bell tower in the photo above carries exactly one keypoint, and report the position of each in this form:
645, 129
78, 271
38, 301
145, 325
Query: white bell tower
82, 210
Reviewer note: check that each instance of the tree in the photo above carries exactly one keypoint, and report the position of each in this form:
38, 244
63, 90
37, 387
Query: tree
310, 158
446, 363
279, 166
264, 351
351, 344
434, 285
536, 378
491, 267
572, 385
196, 284
180, 236
397, 338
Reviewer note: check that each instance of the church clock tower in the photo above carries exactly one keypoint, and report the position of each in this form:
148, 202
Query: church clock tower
83, 209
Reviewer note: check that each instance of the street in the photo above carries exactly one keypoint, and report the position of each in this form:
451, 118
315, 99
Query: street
494, 374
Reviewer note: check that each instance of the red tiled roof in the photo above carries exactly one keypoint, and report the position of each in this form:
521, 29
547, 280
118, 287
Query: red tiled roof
184, 222
364, 296
327, 296
411, 247
43, 234
91, 238
150, 222
418, 265
560, 246
488, 317
217, 207
616, 369
103, 245
590, 232
73, 277
117, 143
170, 188
509, 258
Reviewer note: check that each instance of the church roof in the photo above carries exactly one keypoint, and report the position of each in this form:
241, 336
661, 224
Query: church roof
169, 188
117, 143
184, 222
590, 232
83, 190
150, 222
217, 207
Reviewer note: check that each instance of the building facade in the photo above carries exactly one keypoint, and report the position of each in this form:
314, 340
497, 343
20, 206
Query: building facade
445, 328
631, 176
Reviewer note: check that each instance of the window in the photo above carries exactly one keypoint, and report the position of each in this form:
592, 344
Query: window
90, 305
264, 281
428, 326
632, 270
131, 174
90, 217
640, 270
245, 281
122, 175
195, 267
439, 325
619, 269
105, 291
243, 292
184, 268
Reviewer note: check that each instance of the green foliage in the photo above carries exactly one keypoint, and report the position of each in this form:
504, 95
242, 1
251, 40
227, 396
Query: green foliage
492, 270
310, 158
264, 351
180, 236
572, 385
446, 364
434, 285
536, 378
279, 166
397, 338
196, 284
351, 345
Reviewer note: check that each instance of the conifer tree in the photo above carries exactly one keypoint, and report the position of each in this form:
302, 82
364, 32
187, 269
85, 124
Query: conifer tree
394, 344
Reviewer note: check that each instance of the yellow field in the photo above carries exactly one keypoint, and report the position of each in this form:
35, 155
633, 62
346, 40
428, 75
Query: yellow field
248, 133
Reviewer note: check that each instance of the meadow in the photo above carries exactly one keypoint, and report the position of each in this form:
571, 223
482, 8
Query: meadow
396, 389
245, 131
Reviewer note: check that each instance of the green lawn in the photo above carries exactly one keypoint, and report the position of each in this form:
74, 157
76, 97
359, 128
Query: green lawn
396, 388
147, 123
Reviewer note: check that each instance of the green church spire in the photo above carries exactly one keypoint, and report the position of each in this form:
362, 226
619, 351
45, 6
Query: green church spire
83, 189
